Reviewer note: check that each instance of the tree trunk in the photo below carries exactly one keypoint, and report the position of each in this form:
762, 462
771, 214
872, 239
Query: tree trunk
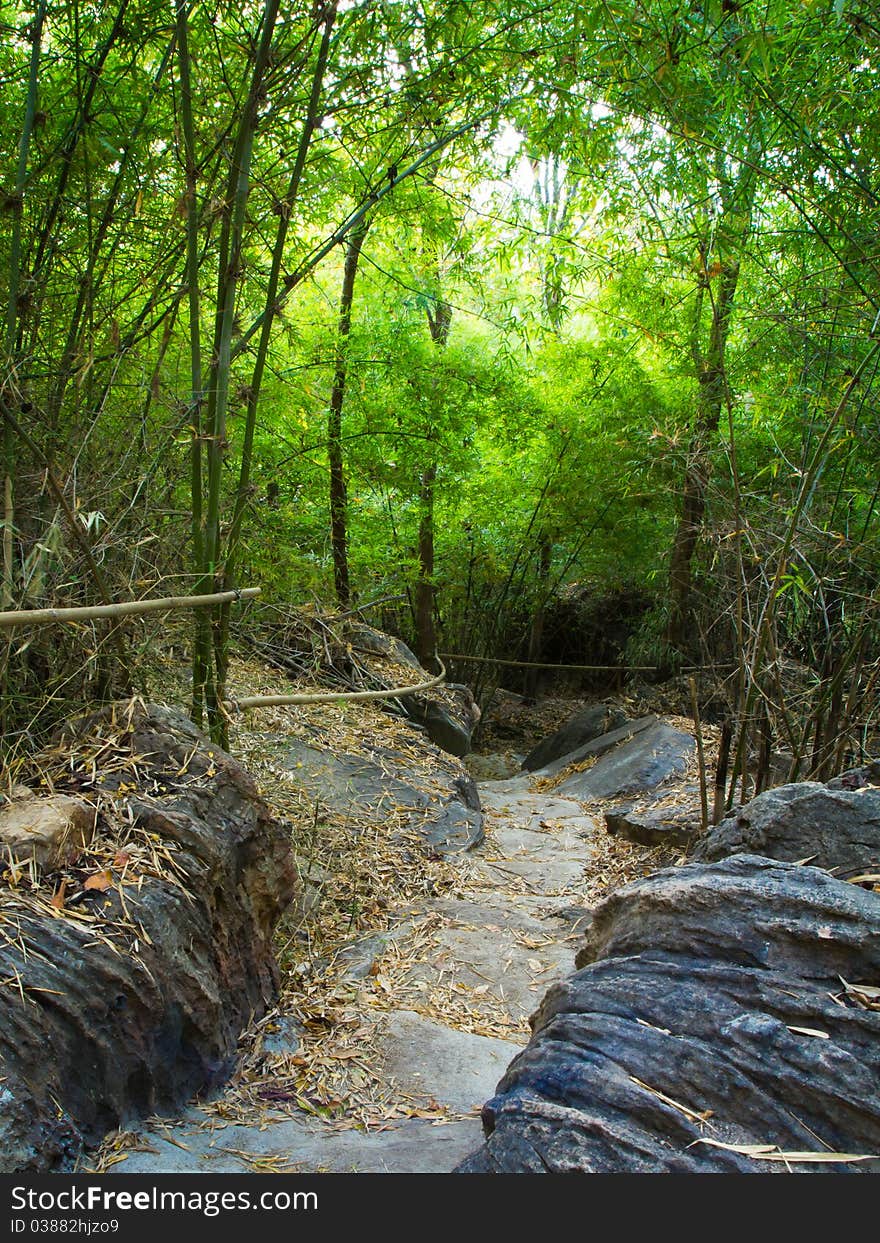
439, 321
536, 629
338, 490
229, 272
426, 637
10, 360
226, 558
709, 364
202, 683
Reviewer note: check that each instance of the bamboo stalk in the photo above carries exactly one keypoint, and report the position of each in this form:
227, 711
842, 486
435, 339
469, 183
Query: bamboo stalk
701, 754
203, 686
127, 608
226, 558
272, 305
12, 307
765, 752
338, 487
328, 697
721, 771
763, 628
64, 154
229, 272
91, 278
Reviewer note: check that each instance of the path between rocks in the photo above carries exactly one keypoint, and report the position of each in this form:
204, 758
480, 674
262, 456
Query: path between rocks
495, 948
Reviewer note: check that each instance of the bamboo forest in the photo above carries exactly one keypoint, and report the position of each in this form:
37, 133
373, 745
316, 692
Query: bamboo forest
440, 631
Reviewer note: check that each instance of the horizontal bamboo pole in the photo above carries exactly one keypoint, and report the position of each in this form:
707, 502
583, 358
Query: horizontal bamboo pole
327, 697
532, 664
38, 617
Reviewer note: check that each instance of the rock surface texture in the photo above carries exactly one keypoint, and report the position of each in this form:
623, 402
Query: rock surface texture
49, 830
725, 1016
590, 723
656, 753
721, 1012
464, 972
442, 805
674, 827
833, 826
131, 991
447, 713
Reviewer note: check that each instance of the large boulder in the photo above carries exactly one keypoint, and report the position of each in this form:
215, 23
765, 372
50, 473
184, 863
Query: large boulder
831, 826
716, 1020
448, 713
138, 962
591, 751
652, 756
368, 641
589, 723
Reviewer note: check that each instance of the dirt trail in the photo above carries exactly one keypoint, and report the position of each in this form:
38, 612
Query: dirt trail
407, 976
423, 1017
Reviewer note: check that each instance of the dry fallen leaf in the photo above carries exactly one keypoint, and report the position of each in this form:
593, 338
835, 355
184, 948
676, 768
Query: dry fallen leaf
769, 1152
57, 899
100, 881
867, 995
694, 1115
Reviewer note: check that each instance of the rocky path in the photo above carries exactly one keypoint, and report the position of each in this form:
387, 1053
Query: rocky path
436, 1007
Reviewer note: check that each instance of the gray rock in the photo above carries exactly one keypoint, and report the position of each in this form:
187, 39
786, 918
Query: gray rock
657, 753
520, 784
857, 778
550, 862
359, 957
359, 783
831, 826
302, 1146
498, 963
448, 721
708, 1006
493, 767
466, 790
369, 641
677, 826
530, 809
495, 913
448, 715
282, 1036
429, 1060
375, 784
583, 727
454, 827
598, 747
50, 829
